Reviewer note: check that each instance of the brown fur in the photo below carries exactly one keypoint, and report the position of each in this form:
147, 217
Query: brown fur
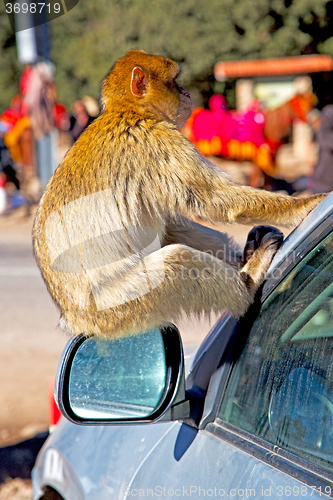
131, 168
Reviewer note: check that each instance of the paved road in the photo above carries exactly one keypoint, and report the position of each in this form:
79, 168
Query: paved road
31, 344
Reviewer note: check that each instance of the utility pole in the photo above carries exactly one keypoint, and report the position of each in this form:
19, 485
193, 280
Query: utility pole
33, 47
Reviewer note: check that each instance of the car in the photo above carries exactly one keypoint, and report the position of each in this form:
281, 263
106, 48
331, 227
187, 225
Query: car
251, 416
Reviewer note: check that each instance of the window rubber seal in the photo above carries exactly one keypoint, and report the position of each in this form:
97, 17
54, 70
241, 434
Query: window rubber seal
298, 468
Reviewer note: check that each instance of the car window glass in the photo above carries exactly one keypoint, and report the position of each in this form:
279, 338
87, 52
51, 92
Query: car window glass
281, 386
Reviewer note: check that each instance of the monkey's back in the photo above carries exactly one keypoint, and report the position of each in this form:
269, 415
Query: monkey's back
91, 216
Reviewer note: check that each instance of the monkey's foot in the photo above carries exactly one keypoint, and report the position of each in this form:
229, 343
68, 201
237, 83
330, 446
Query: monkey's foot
261, 246
265, 237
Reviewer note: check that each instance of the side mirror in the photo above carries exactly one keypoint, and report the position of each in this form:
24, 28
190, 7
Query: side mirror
131, 379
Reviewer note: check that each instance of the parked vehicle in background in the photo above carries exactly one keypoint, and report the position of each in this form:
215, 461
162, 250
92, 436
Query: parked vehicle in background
253, 419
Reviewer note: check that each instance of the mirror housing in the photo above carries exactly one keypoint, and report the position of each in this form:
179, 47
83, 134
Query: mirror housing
128, 380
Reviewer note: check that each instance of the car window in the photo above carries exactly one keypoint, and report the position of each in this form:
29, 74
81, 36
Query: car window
281, 385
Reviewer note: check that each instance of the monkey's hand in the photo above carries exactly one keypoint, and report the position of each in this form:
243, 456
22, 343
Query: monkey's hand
261, 246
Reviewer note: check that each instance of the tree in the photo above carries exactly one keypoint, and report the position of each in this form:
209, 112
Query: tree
193, 32
10, 68
88, 39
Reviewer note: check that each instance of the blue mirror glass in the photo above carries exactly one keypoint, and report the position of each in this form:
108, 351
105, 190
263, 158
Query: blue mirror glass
120, 378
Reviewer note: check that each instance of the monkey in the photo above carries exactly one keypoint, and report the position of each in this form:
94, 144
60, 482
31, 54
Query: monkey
119, 233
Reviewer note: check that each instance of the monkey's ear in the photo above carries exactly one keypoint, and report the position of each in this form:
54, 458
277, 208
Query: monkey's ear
139, 82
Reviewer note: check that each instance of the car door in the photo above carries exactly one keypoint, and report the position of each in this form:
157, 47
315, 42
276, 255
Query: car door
269, 431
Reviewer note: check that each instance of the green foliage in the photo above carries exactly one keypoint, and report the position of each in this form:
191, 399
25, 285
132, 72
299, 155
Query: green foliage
196, 33
10, 68
327, 46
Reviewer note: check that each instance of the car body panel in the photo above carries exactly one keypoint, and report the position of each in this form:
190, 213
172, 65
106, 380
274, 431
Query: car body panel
120, 451
195, 463
199, 464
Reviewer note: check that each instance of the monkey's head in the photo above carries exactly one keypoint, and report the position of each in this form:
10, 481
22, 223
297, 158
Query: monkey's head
147, 84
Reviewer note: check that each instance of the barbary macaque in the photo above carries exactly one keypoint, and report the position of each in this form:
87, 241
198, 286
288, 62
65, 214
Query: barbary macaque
114, 235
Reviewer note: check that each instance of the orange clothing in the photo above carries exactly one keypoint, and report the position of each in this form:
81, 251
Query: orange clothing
12, 138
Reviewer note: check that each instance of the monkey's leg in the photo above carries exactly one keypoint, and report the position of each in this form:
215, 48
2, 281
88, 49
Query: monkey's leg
204, 239
193, 282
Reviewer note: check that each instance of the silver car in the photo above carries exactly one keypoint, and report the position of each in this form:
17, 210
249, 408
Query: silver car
251, 417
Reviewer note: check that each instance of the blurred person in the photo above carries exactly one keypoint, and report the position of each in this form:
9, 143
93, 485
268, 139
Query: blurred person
322, 177
38, 92
79, 120
7, 164
3, 194
13, 128
16, 132
14, 123
11, 196
91, 106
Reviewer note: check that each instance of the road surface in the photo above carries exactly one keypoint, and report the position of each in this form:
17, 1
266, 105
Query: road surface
30, 342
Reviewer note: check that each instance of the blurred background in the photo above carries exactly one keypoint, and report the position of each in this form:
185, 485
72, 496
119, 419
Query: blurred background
86, 41
261, 76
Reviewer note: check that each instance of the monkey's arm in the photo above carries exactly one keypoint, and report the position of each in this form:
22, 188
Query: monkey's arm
202, 190
249, 205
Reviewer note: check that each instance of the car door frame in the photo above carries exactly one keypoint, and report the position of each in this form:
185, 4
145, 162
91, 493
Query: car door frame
294, 466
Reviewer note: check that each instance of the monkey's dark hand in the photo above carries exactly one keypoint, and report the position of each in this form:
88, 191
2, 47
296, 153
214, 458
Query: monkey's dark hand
266, 237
